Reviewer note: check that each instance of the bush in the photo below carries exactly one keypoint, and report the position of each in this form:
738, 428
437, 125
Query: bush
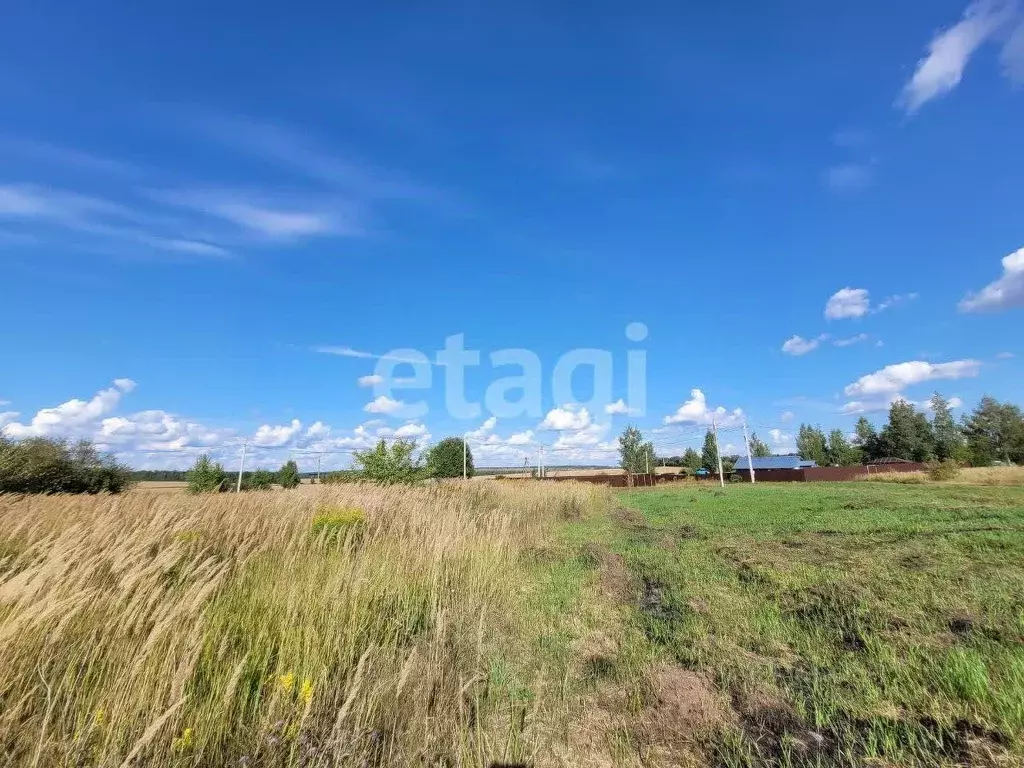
43, 465
206, 476
341, 476
288, 476
943, 470
260, 480
389, 464
446, 459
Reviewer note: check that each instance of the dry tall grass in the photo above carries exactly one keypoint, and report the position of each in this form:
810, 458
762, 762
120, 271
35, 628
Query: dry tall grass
168, 630
967, 476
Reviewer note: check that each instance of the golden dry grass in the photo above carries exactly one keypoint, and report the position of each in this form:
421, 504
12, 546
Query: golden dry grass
1004, 476
169, 630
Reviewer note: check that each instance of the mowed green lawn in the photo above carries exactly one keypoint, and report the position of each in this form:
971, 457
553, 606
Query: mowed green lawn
844, 624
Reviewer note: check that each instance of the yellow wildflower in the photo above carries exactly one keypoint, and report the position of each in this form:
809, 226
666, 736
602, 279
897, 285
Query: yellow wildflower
99, 716
287, 682
306, 693
183, 742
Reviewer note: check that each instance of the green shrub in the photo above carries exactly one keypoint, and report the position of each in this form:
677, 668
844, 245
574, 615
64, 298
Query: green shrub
446, 459
206, 476
44, 465
943, 470
334, 523
260, 480
288, 476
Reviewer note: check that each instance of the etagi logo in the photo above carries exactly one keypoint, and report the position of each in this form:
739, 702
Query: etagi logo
515, 395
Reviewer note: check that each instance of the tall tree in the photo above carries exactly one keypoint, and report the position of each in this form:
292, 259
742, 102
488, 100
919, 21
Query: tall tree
995, 432
692, 460
949, 440
812, 444
866, 439
840, 452
446, 459
709, 455
758, 448
635, 455
907, 435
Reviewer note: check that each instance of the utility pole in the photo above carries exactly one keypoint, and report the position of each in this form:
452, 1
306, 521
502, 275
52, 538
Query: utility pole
647, 461
318, 458
718, 450
464, 457
750, 459
241, 465
542, 462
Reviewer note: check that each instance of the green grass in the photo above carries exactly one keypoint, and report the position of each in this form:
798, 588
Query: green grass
848, 624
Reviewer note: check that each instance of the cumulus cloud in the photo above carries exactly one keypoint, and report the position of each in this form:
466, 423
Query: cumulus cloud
67, 418
781, 442
268, 436
370, 381
619, 407
384, 404
847, 303
588, 436
798, 345
941, 70
1005, 293
894, 378
566, 417
6, 417
696, 411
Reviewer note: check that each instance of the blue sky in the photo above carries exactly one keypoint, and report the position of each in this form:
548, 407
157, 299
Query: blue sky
813, 210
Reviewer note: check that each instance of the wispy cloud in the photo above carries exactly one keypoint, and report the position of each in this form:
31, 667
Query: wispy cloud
849, 342
848, 177
63, 157
798, 345
941, 70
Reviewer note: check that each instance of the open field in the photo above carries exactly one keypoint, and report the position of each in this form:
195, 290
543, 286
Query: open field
515, 624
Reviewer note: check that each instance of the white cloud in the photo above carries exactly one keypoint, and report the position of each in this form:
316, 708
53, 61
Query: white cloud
1012, 57
781, 442
6, 417
896, 300
851, 341
68, 418
798, 345
566, 417
696, 411
846, 303
318, 431
848, 177
370, 381
413, 430
483, 430
894, 378
384, 404
1005, 356
521, 438
588, 436
786, 416
1005, 293
358, 353
949, 51
274, 437
618, 407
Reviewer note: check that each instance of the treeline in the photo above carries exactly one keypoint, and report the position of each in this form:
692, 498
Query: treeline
44, 465
992, 433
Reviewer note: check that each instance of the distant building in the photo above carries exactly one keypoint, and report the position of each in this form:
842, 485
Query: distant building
770, 463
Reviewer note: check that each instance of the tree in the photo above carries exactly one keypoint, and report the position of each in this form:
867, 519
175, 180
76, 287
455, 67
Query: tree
907, 435
260, 480
758, 448
445, 458
389, 464
994, 432
812, 444
709, 454
692, 460
44, 465
288, 476
840, 452
866, 440
635, 456
206, 476
949, 440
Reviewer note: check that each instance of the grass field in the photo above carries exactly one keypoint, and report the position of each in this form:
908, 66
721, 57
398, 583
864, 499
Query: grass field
522, 624
835, 624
